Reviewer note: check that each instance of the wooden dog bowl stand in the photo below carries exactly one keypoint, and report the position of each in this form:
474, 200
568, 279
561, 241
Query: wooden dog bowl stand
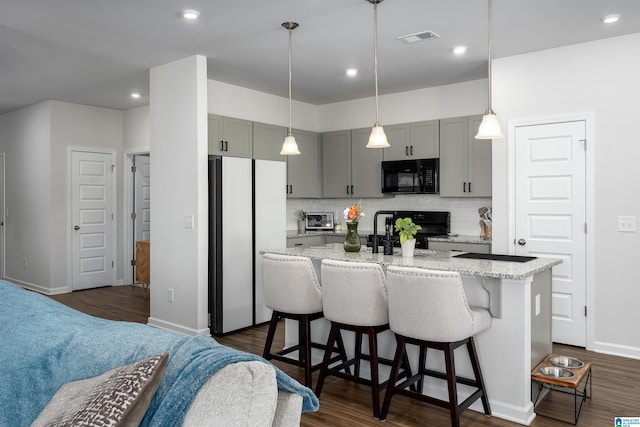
564, 385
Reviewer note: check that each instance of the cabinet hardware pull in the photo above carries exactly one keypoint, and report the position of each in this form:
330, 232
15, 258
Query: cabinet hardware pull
347, 189
406, 150
290, 188
352, 189
464, 187
411, 149
221, 145
469, 187
226, 146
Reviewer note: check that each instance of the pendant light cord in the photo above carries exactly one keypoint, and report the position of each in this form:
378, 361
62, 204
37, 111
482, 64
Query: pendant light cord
290, 77
375, 52
489, 54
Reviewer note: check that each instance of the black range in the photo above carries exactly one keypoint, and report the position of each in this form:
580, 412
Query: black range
433, 223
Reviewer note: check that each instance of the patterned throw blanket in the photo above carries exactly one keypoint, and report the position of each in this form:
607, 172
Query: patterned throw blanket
44, 344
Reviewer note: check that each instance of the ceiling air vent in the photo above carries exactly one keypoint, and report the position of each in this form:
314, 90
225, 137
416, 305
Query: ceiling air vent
418, 37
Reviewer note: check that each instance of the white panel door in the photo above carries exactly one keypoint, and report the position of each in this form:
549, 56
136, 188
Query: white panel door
142, 198
551, 216
92, 220
270, 222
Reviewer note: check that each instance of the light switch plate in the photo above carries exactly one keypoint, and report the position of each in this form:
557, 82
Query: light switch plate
188, 221
627, 224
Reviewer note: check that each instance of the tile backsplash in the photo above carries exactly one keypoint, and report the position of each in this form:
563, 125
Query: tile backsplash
464, 212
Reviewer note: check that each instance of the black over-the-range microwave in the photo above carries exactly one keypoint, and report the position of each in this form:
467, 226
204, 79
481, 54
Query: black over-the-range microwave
420, 176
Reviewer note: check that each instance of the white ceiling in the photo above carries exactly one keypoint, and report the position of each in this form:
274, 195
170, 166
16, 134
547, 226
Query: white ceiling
96, 52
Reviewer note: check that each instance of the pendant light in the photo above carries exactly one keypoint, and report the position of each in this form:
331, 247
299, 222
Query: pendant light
290, 147
377, 139
490, 126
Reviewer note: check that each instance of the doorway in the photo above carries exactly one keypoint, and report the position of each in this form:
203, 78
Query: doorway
550, 215
92, 219
137, 208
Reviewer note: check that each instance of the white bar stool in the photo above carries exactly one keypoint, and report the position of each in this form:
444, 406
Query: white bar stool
430, 309
292, 291
354, 298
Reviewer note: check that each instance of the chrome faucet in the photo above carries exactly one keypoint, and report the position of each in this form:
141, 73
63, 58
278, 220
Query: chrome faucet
374, 248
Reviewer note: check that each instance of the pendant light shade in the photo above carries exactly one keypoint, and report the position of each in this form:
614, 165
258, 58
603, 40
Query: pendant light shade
377, 139
490, 126
290, 147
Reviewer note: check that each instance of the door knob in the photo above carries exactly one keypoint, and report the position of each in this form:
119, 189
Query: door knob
522, 242
77, 227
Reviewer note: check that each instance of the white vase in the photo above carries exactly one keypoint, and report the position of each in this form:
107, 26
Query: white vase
302, 227
408, 247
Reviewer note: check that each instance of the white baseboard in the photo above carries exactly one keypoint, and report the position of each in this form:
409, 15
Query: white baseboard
616, 349
38, 288
158, 323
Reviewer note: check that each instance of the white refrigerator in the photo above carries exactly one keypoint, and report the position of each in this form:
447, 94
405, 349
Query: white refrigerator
247, 214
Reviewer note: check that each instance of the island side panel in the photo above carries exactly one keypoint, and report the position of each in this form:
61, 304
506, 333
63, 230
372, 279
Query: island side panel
541, 338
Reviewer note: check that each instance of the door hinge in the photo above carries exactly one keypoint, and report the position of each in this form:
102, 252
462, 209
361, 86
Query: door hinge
134, 169
112, 264
133, 215
584, 144
113, 167
585, 228
133, 262
585, 311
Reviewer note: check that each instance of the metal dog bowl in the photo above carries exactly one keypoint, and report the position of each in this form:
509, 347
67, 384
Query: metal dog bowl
556, 372
566, 362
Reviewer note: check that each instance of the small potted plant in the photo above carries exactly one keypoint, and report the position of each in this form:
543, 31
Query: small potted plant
407, 229
302, 221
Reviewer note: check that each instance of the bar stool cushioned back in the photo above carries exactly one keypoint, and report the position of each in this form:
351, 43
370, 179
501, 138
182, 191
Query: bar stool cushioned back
291, 284
432, 306
354, 293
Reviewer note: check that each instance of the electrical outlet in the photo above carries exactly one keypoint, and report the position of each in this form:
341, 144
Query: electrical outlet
171, 295
627, 224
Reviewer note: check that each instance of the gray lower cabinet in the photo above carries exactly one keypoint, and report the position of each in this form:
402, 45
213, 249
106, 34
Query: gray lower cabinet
304, 171
267, 141
349, 168
230, 137
305, 241
419, 140
465, 162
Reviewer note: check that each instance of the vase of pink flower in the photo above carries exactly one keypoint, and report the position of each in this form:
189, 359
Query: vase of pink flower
352, 215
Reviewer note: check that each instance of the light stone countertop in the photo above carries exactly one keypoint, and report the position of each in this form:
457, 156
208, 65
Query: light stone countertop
428, 259
454, 238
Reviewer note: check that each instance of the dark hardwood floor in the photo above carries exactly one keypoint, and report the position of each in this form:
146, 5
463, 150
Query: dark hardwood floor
616, 380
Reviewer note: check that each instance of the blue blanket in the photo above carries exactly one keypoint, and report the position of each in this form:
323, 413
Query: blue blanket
45, 344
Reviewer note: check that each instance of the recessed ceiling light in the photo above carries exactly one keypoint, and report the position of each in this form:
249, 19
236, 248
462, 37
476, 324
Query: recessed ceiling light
135, 95
610, 19
460, 50
190, 14
352, 72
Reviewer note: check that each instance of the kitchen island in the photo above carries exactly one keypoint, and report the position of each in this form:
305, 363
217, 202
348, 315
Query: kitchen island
518, 295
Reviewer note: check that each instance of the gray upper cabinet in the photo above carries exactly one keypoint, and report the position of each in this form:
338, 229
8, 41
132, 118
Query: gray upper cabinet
420, 140
267, 142
230, 137
366, 168
336, 164
465, 162
349, 168
304, 171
